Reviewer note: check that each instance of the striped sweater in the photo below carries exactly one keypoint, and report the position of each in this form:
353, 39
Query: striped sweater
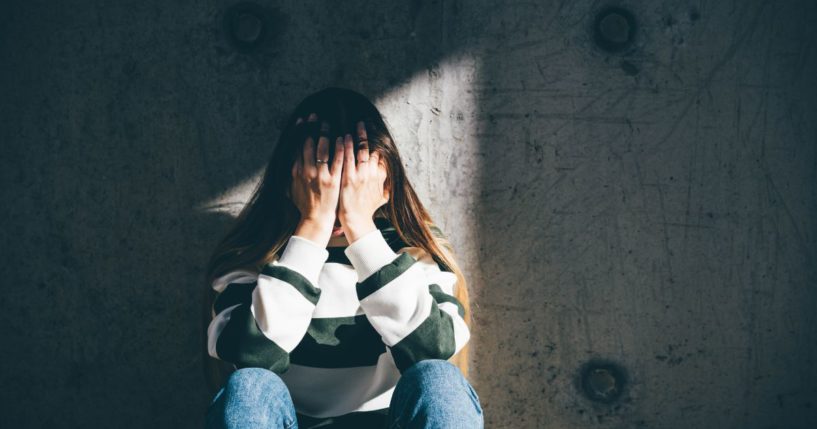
339, 324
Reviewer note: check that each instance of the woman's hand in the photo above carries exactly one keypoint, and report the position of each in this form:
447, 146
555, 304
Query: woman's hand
315, 187
362, 191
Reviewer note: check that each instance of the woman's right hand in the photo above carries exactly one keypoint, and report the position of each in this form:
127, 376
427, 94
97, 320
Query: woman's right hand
316, 187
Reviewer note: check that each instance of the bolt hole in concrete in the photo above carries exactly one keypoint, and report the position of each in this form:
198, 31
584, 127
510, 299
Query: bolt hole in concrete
245, 25
248, 28
602, 381
614, 29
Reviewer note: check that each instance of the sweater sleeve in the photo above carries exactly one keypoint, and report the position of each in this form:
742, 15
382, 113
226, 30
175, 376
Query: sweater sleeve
260, 318
408, 300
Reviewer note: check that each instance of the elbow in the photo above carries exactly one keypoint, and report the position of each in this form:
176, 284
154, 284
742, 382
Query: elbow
243, 360
405, 357
241, 343
246, 354
433, 339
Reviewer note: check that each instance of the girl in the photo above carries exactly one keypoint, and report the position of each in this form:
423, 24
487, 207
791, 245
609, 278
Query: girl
334, 300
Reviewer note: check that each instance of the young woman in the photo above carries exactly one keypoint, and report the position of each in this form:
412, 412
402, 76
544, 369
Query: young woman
335, 300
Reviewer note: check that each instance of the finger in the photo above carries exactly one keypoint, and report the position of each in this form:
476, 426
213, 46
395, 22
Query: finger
349, 157
337, 162
383, 175
308, 162
363, 142
298, 165
323, 146
309, 155
374, 166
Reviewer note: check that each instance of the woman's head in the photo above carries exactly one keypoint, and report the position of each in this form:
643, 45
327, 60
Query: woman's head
338, 112
269, 218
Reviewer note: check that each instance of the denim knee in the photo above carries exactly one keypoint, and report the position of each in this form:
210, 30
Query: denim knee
431, 369
437, 377
252, 397
435, 392
244, 381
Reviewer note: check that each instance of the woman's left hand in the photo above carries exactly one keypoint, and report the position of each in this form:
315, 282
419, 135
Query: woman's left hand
362, 189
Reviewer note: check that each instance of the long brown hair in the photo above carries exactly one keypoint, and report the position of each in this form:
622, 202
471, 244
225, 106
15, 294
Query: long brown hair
269, 218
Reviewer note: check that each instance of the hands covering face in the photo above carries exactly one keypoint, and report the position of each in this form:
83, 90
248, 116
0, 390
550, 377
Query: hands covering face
349, 191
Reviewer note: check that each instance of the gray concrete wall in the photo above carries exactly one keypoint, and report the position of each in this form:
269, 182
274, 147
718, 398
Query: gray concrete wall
653, 209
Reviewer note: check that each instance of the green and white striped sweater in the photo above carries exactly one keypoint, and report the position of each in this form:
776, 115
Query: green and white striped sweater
339, 324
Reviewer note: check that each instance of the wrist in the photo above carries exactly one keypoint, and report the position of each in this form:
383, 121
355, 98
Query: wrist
314, 230
356, 228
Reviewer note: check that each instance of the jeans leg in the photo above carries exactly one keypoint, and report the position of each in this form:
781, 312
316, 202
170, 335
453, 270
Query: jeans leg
252, 398
433, 393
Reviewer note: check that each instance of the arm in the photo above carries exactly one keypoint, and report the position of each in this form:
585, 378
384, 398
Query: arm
408, 300
259, 319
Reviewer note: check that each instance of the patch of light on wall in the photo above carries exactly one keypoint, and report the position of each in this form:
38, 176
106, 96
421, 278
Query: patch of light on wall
232, 200
432, 118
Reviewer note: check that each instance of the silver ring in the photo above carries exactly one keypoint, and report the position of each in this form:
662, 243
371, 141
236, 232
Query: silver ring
321, 161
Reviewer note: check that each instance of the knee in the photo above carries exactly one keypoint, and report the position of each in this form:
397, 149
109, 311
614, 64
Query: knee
433, 368
252, 397
433, 388
432, 374
253, 383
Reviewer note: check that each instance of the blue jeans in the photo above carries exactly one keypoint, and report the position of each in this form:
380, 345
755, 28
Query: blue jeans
431, 394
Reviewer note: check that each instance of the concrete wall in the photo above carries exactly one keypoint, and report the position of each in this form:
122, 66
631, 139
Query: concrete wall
646, 218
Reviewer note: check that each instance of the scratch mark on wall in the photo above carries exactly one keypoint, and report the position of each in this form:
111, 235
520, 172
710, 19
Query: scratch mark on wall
705, 82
